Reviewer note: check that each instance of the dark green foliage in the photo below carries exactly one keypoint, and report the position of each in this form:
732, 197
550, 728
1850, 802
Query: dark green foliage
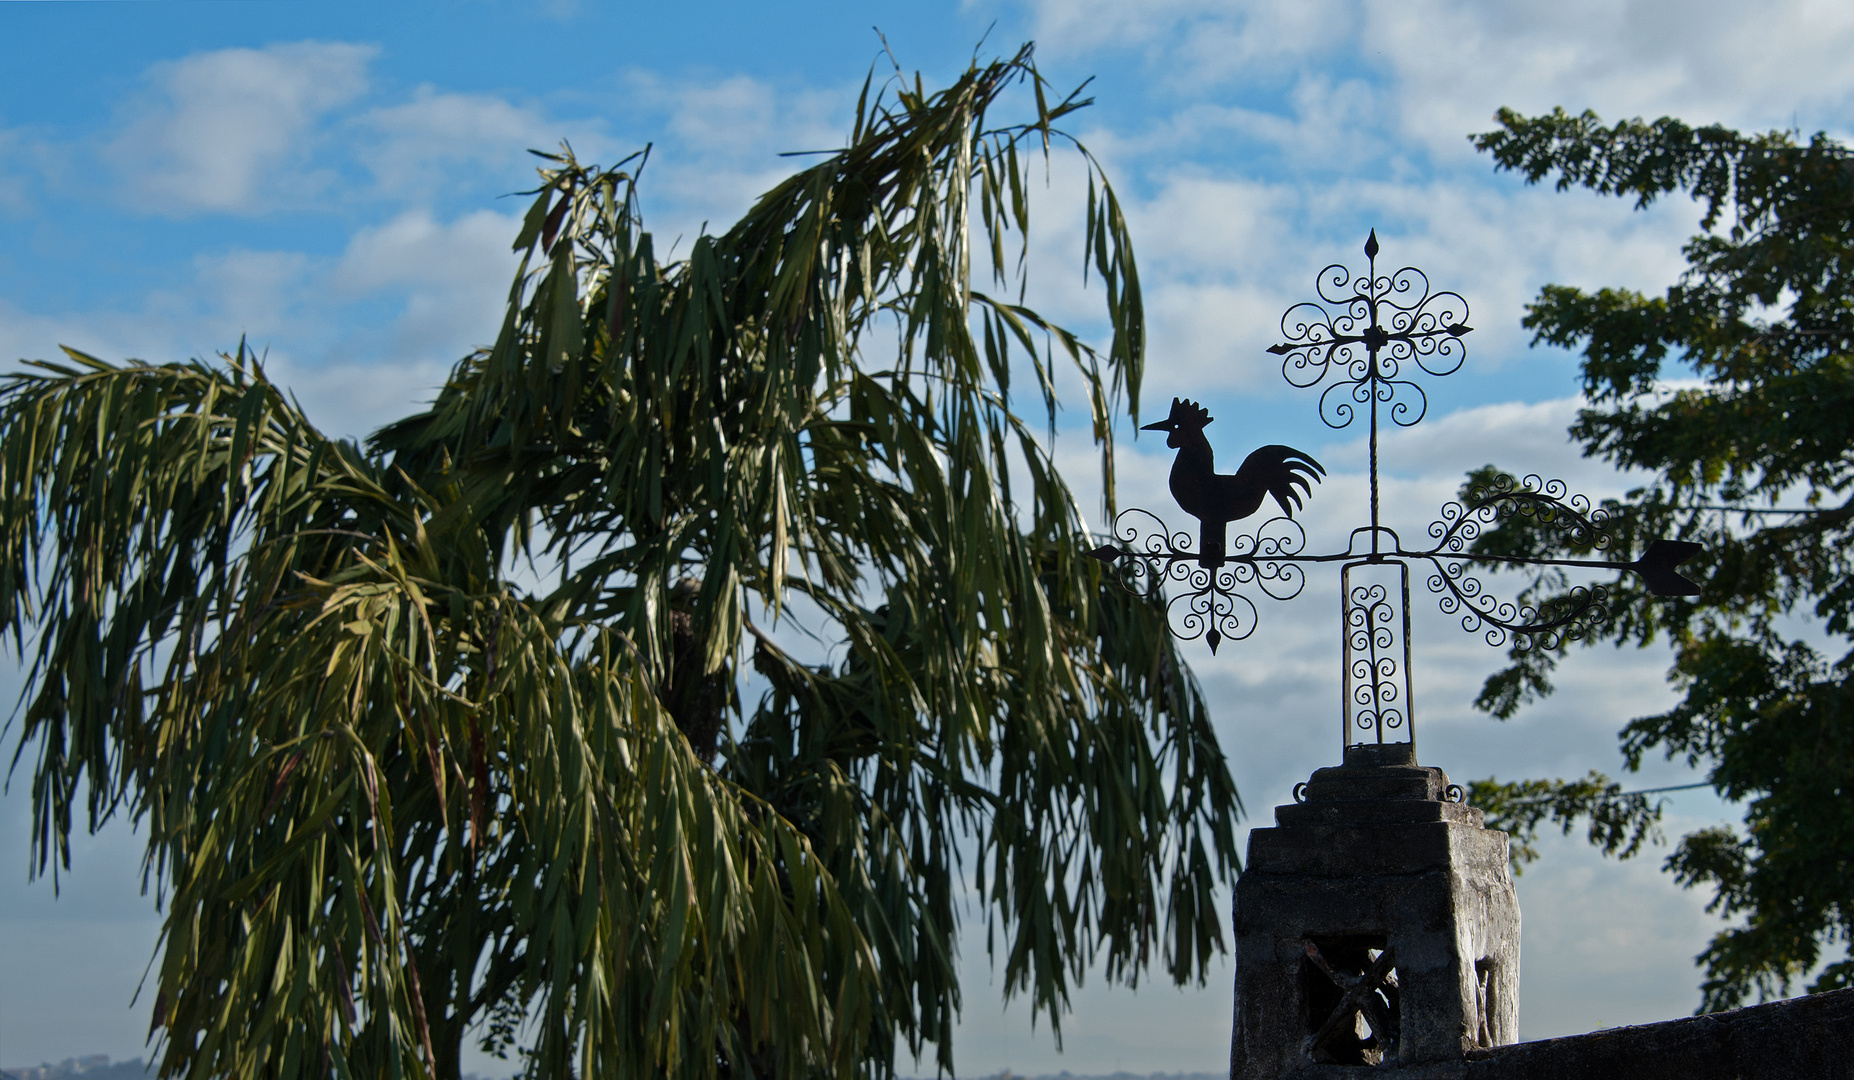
398, 800
1753, 463
1619, 823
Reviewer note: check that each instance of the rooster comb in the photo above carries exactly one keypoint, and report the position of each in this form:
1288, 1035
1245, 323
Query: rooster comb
1189, 413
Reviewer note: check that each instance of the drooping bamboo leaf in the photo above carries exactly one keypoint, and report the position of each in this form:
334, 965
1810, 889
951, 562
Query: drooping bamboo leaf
398, 801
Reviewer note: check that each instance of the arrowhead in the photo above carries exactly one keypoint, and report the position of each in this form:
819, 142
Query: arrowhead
1459, 329
1371, 245
1656, 566
1215, 638
1107, 553
1281, 350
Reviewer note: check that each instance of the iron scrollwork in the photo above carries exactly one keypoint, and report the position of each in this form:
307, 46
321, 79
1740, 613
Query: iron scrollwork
1570, 617
1377, 652
1207, 602
1367, 329
1369, 335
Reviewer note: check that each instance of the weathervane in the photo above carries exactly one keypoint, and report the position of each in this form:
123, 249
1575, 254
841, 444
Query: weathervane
1367, 338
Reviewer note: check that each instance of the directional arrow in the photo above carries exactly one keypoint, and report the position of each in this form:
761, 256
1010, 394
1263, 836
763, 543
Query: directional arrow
1656, 566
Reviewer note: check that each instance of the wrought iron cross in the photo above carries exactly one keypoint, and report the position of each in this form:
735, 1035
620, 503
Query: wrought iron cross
1367, 337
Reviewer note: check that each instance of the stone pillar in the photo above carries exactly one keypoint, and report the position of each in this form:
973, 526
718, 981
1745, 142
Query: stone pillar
1375, 924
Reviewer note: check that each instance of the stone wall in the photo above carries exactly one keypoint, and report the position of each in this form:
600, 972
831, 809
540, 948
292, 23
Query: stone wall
1806, 1038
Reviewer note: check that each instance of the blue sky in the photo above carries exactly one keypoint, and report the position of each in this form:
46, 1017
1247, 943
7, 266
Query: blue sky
327, 179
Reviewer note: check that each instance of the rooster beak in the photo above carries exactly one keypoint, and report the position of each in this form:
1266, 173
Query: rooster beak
1163, 425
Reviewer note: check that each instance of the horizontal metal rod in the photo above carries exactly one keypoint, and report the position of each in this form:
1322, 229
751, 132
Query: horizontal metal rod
1385, 556
1534, 800
1523, 560
1772, 509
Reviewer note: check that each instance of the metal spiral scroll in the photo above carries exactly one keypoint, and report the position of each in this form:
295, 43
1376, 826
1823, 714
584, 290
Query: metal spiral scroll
1569, 617
1503, 498
1365, 330
1366, 340
1375, 663
1206, 602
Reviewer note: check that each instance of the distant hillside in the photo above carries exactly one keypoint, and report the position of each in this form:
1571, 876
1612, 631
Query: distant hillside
94, 1067
1067, 1075
98, 1067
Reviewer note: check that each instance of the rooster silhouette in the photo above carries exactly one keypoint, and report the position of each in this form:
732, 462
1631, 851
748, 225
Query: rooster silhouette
1216, 499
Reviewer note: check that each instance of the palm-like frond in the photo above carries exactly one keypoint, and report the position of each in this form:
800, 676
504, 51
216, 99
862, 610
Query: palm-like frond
387, 792
395, 796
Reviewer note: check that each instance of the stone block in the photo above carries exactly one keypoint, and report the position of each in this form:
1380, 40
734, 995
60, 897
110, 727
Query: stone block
1376, 924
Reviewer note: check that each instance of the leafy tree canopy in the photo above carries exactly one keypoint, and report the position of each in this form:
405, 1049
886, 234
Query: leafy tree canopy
1735, 389
396, 799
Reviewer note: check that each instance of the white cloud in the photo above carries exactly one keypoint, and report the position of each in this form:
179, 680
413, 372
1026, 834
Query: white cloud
16, 164
1529, 436
447, 282
469, 256
1223, 252
1451, 63
1191, 40
249, 131
361, 339
1749, 65
438, 142
1602, 938
231, 131
727, 113
723, 139
254, 290
1222, 258
352, 400
157, 332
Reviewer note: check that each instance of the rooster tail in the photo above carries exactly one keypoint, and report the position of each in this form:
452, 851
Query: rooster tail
1293, 477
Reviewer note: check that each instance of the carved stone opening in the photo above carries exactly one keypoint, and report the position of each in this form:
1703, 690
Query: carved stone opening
1485, 1001
1349, 986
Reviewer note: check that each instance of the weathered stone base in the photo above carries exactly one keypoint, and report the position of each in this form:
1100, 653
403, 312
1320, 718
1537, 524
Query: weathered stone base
1806, 1038
1375, 922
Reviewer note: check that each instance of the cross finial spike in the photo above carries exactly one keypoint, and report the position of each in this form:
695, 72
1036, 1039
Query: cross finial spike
1371, 245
